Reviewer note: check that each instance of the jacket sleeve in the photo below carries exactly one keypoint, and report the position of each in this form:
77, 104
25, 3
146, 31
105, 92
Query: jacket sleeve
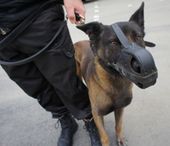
60, 2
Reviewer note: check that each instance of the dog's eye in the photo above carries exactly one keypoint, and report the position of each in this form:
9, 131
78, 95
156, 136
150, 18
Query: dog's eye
139, 36
117, 43
114, 43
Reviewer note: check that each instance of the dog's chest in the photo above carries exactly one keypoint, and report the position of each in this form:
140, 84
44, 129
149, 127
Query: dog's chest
107, 92
107, 102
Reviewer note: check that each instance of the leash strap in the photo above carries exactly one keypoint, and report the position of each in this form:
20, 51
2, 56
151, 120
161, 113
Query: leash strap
20, 28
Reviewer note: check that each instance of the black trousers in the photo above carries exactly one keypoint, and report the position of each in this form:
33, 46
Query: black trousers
51, 77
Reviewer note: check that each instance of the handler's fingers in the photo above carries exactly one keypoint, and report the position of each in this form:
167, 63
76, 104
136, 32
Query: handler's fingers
71, 15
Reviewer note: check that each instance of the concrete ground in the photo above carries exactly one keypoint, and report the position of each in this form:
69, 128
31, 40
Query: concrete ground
146, 121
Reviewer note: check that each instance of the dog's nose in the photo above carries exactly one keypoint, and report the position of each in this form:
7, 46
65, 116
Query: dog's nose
135, 65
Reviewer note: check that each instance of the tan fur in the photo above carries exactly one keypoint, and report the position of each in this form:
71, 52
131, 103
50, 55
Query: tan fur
105, 90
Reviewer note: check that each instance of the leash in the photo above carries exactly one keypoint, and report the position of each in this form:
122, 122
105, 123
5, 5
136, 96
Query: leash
20, 28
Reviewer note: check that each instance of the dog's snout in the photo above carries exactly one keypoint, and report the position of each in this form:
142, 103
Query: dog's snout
135, 65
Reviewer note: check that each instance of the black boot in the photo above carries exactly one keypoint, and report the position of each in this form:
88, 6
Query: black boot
93, 132
68, 129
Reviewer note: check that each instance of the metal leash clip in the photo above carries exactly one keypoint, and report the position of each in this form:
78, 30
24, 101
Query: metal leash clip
2, 32
80, 19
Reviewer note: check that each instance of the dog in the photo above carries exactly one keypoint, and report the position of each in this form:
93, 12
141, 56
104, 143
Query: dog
108, 91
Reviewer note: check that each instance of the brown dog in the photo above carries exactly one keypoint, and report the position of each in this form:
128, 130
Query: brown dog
108, 90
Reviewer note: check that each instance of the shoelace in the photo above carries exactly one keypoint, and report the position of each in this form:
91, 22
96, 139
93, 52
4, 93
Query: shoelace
57, 124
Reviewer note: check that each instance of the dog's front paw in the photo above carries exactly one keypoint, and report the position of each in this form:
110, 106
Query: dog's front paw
121, 142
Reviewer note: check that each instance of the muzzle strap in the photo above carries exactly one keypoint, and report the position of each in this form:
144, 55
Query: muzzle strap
122, 38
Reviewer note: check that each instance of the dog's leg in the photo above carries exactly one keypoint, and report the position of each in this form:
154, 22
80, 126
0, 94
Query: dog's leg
102, 132
119, 127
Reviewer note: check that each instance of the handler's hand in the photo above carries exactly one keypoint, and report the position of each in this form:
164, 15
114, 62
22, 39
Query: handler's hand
73, 6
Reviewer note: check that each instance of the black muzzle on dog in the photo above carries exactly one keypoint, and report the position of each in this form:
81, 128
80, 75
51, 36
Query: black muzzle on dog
134, 62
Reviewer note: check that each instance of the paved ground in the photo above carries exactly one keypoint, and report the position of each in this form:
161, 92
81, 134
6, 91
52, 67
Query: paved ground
24, 123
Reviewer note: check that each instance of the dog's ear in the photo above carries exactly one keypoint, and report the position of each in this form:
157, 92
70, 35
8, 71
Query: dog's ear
149, 44
92, 29
138, 17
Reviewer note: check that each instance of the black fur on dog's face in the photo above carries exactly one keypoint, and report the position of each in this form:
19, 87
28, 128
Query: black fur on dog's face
104, 41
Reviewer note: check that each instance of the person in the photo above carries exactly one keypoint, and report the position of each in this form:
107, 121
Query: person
51, 77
